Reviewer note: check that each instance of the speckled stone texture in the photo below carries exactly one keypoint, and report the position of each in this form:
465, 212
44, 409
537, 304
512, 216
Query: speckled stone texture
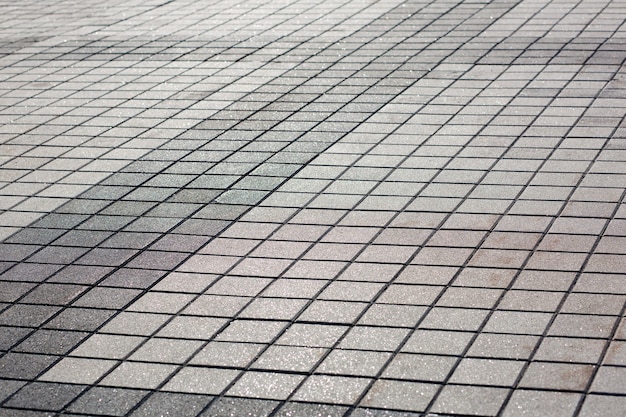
289, 208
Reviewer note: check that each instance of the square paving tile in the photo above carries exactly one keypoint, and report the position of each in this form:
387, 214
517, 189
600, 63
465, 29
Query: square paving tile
555, 404
289, 358
107, 346
331, 389
78, 370
45, 396
419, 367
228, 354
107, 401
373, 338
190, 327
195, 380
267, 385
609, 379
138, 375
602, 405
457, 399
184, 405
399, 395
353, 363
166, 350
559, 376
228, 406
487, 372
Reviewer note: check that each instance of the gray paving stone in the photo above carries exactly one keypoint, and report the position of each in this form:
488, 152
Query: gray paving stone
554, 403
51, 342
45, 396
24, 366
186, 405
27, 315
227, 406
302, 409
81, 319
107, 401
456, 399
404, 395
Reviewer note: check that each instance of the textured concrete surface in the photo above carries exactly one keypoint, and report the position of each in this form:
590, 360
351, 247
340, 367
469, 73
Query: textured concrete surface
366, 208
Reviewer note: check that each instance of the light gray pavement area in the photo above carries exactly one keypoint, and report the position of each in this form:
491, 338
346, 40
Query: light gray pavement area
290, 208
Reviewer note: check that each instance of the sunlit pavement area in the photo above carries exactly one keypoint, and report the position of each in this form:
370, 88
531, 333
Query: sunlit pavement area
376, 208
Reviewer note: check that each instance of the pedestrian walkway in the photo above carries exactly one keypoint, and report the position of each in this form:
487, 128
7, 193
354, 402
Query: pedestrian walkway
290, 208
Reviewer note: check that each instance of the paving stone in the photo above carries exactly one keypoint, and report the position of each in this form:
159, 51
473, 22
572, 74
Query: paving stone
555, 403
27, 315
486, 372
331, 389
227, 406
80, 319
602, 404
437, 342
184, 405
201, 380
45, 396
302, 410
265, 385
78, 370
403, 395
227, 354
458, 399
28, 272
185, 327
560, 376
9, 387
132, 278
138, 375
107, 346
51, 342
608, 379
106, 297
166, 350
107, 401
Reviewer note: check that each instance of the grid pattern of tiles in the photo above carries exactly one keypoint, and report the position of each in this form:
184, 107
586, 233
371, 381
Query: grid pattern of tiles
295, 208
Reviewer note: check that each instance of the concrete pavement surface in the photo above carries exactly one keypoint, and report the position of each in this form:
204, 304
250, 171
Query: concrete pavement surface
365, 208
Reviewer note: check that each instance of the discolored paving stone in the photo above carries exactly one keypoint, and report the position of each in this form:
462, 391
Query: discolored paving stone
602, 404
389, 394
472, 400
554, 403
